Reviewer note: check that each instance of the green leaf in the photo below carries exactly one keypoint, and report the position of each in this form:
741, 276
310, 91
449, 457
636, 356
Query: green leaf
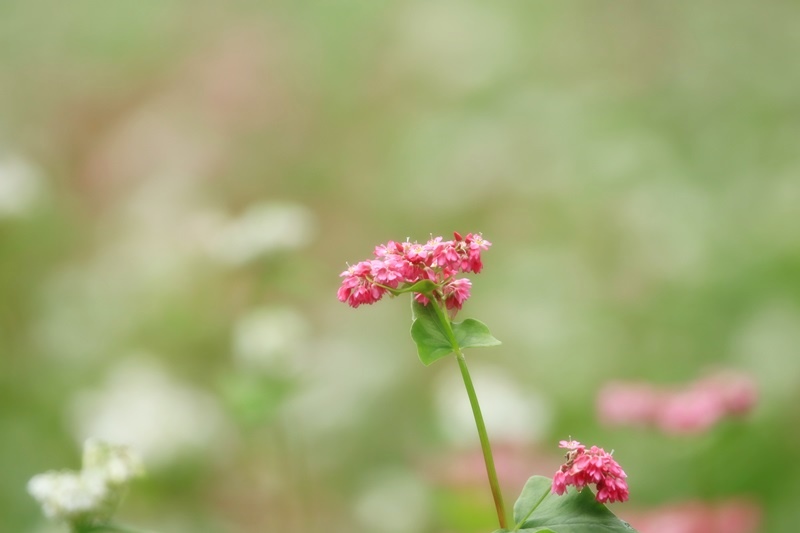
574, 512
473, 333
432, 338
533, 494
424, 286
428, 333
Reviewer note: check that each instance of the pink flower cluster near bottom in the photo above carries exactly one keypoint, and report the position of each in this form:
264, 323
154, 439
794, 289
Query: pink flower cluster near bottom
731, 516
693, 408
591, 466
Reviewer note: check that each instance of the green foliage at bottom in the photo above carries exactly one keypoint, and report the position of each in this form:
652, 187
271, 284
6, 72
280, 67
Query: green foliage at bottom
537, 509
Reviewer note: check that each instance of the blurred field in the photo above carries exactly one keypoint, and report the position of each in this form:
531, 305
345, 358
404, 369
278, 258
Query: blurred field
182, 182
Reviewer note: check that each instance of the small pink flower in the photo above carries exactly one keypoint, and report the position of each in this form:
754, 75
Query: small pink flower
389, 273
474, 244
417, 253
456, 292
560, 482
357, 288
391, 248
360, 269
421, 298
445, 255
591, 467
571, 445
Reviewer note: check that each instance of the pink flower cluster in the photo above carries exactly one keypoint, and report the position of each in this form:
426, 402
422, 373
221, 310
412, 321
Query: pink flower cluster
592, 466
399, 265
730, 516
691, 409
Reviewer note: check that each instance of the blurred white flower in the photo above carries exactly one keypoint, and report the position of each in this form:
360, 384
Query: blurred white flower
393, 502
145, 407
271, 340
511, 413
68, 495
20, 186
262, 229
91, 494
117, 464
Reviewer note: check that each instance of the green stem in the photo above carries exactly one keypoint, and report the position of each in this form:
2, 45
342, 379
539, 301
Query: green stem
484, 438
476, 412
519, 524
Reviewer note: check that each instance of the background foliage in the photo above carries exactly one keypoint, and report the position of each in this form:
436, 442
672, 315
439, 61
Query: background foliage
181, 182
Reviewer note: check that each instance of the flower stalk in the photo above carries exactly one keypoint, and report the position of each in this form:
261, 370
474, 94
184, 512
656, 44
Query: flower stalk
483, 435
486, 447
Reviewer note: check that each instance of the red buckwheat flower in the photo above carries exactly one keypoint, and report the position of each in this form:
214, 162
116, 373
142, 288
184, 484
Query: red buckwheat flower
591, 466
358, 287
398, 266
456, 292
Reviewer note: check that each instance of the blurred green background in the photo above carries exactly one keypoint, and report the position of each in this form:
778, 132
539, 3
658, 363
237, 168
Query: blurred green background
182, 182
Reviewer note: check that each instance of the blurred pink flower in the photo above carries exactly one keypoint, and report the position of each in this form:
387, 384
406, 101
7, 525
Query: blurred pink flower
694, 408
737, 516
732, 516
690, 411
738, 391
620, 403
